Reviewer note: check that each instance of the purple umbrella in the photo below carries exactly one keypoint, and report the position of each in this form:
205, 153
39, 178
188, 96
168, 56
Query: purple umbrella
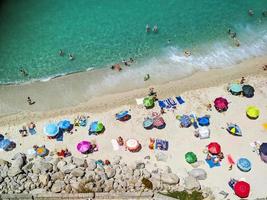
84, 146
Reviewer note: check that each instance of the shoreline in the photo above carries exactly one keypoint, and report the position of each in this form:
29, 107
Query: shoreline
51, 100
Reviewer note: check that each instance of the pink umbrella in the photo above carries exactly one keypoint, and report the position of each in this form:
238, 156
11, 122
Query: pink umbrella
221, 104
84, 146
158, 122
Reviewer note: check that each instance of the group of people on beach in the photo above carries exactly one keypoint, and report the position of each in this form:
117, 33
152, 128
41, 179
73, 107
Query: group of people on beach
117, 66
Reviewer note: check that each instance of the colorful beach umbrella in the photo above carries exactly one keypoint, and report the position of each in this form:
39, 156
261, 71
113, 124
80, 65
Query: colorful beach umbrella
5, 144
242, 189
190, 157
148, 102
234, 129
132, 145
123, 115
51, 130
203, 121
253, 112
248, 91
244, 164
84, 146
221, 104
96, 127
235, 89
214, 148
64, 124
158, 122
148, 123
41, 151
263, 152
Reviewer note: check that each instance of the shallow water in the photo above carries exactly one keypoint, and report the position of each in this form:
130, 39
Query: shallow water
100, 33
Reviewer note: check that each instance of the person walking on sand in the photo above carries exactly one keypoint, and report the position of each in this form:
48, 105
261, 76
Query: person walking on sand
30, 102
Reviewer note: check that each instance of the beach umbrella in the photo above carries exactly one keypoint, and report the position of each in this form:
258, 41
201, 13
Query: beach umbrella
158, 122
148, 102
51, 130
1, 137
204, 132
148, 123
84, 146
5, 144
64, 124
244, 164
234, 129
203, 121
242, 189
185, 121
190, 157
123, 115
221, 104
41, 151
96, 127
235, 89
253, 112
263, 152
248, 91
214, 148
132, 145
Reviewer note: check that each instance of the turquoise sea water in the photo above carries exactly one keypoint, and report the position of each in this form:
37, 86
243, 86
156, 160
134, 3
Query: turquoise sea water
102, 32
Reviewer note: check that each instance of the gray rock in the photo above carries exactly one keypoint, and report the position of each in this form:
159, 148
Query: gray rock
116, 160
75, 185
110, 172
199, 174
140, 165
77, 172
43, 166
19, 160
191, 183
160, 156
38, 191
170, 178
108, 185
13, 171
4, 171
57, 176
61, 164
136, 173
68, 168
90, 175
78, 161
1, 179
44, 178
4, 162
58, 186
91, 165
146, 174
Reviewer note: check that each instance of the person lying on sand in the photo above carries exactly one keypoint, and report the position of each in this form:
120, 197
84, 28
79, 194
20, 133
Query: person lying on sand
120, 141
209, 107
23, 132
242, 81
264, 67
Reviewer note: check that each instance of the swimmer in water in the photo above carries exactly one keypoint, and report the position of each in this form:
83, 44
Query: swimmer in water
71, 57
250, 12
23, 72
61, 53
155, 29
187, 53
147, 28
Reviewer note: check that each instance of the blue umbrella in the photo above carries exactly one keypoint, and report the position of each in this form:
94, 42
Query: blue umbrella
185, 121
244, 164
51, 129
122, 114
64, 124
203, 121
5, 143
1, 137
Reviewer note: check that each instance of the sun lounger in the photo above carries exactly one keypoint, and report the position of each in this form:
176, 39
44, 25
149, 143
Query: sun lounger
170, 103
162, 104
180, 100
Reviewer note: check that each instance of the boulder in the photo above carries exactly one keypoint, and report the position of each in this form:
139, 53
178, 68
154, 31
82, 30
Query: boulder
191, 183
116, 160
110, 172
4, 162
160, 156
57, 176
26, 168
198, 173
170, 178
146, 174
77, 172
4, 171
91, 165
43, 166
68, 168
140, 165
78, 162
38, 191
58, 186
19, 160
61, 164
44, 178
13, 171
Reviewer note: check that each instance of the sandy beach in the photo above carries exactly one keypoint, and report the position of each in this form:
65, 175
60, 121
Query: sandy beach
54, 104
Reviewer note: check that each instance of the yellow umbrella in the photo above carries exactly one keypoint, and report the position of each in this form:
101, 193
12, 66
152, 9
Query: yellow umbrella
253, 112
264, 126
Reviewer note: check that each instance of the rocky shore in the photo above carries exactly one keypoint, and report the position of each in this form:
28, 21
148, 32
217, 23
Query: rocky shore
76, 175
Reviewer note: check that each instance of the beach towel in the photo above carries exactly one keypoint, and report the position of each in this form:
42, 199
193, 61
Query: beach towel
211, 163
230, 159
162, 144
161, 104
115, 145
180, 100
59, 136
139, 101
170, 102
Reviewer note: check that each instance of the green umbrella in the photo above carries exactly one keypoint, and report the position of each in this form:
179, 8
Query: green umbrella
148, 102
190, 157
235, 89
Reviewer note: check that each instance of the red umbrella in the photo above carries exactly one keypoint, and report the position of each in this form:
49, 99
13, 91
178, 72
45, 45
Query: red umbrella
242, 189
221, 104
214, 148
158, 122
